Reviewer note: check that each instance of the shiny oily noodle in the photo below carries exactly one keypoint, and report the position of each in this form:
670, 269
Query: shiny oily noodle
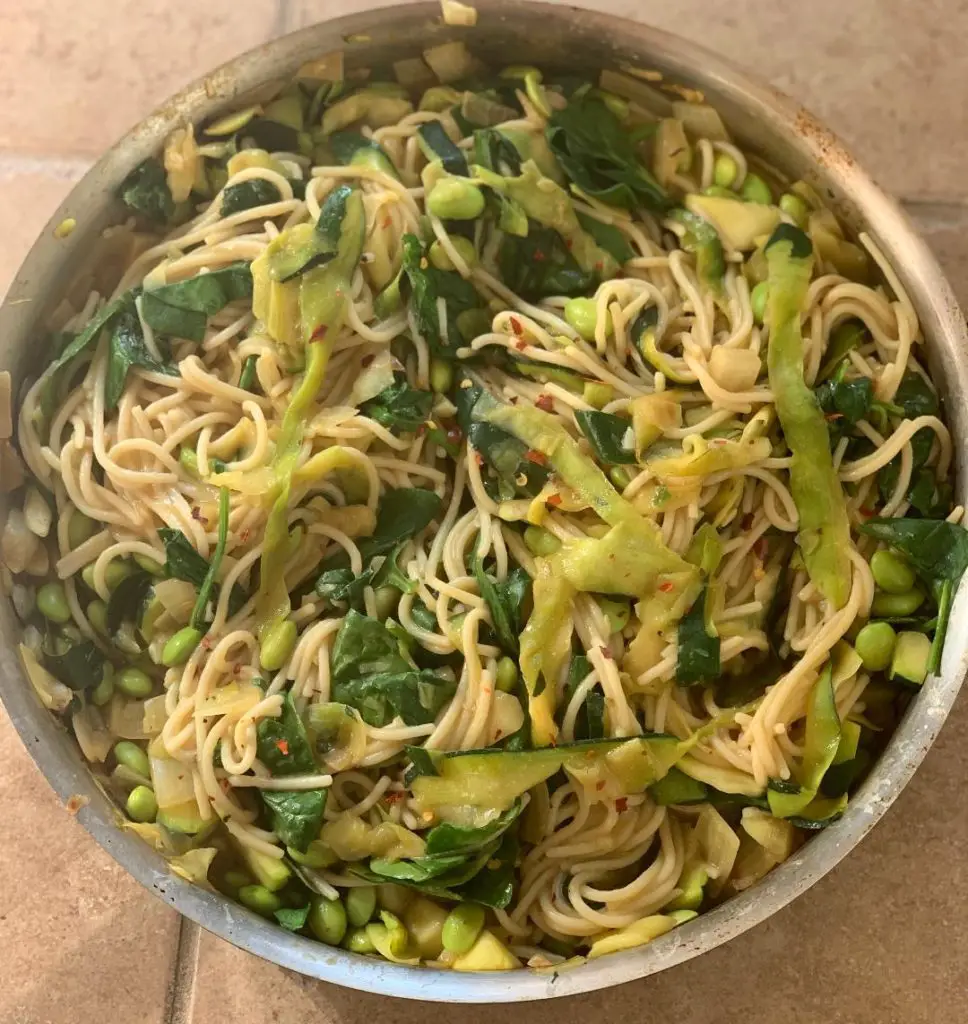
493, 518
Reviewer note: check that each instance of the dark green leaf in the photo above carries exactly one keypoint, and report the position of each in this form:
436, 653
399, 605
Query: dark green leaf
608, 237
127, 349
915, 396
844, 338
541, 264
436, 144
496, 152
399, 407
80, 666
607, 434
447, 838
420, 869
292, 919
416, 695
145, 191
698, 655
127, 599
421, 763
844, 402
296, 815
505, 601
364, 647
183, 562
937, 550
493, 885
403, 513
273, 136
590, 721
598, 155
246, 195
283, 745
182, 310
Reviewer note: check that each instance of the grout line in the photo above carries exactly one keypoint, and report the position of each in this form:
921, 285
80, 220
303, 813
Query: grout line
67, 168
180, 999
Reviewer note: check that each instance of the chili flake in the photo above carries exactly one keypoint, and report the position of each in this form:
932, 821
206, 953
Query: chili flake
454, 435
538, 458
538, 256
621, 804
554, 500
366, 360
545, 403
516, 325
667, 587
283, 747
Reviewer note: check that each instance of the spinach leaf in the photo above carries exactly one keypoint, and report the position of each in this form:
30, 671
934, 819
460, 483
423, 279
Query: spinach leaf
246, 195
436, 144
698, 656
182, 310
421, 763
283, 744
127, 600
364, 646
610, 238
247, 378
845, 337
292, 919
342, 585
505, 601
127, 349
496, 152
937, 550
208, 585
296, 815
915, 396
493, 885
702, 240
183, 562
844, 402
447, 838
590, 721
145, 191
541, 264
598, 155
607, 434
426, 285
80, 665
399, 407
416, 870
403, 513
273, 136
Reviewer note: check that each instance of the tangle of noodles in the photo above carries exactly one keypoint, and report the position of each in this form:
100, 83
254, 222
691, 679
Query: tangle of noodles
288, 562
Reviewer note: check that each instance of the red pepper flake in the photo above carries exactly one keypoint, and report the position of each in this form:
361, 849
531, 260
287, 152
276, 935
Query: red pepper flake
599, 266
620, 274
667, 587
599, 786
236, 669
867, 512
761, 548
516, 325
388, 222
366, 360
498, 735
244, 536
538, 458
479, 458
395, 797
606, 653
554, 500
538, 256
621, 804
320, 333
421, 430
748, 521
196, 513
206, 644
832, 417
569, 243
545, 403
454, 435
283, 747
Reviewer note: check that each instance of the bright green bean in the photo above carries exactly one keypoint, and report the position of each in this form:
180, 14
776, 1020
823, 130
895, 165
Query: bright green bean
540, 542
620, 476
97, 615
507, 675
455, 199
52, 603
582, 314
236, 880
141, 804
104, 690
360, 904
358, 941
724, 170
759, 296
259, 899
894, 606
795, 208
132, 682
440, 258
179, 647
132, 756
891, 573
441, 375
719, 192
756, 190
277, 645
79, 529
875, 645
386, 599
87, 575
462, 927
117, 571
327, 920
150, 565
618, 105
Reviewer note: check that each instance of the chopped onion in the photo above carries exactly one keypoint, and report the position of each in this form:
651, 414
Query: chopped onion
233, 700
375, 378
172, 781
92, 737
126, 718
456, 13
18, 545
701, 121
194, 865
154, 715
735, 369
450, 62
506, 718
37, 513
54, 695
718, 844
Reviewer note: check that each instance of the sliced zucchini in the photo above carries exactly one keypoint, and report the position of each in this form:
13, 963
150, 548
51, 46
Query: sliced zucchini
912, 652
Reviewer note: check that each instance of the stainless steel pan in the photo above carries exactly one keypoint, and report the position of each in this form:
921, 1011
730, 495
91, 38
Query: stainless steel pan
508, 32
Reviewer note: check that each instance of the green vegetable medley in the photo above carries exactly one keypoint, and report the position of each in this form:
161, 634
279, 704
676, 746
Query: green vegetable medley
494, 517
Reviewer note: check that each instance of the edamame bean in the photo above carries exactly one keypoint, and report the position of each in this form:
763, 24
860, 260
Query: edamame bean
875, 645
893, 606
540, 542
719, 192
117, 571
104, 690
141, 804
724, 170
454, 199
132, 682
150, 565
179, 647
277, 645
236, 879
440, 258
441, 375
259, 899
795, 208
507, 675
462, 927
97, 615
756, 190
87, 575
132, 756
357, 941
327, 920
758, 299
79, 529
891, 573
52, 603
582, 314
620, 476
386, 599
360, 904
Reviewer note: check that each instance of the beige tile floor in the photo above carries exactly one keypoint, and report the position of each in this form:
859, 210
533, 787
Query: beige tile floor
880, 941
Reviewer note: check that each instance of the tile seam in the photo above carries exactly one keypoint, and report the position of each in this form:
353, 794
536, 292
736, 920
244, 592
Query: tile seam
180, 998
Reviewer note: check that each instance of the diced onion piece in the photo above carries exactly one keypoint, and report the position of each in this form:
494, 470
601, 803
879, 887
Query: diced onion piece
701, 121
456, 13
412, 73
154, 716
506, 718
18, 545
735, 369
181, 160
718, 844
37, 513
636, 934
328, 68
92, 737
177, 597
12, 473
233, 700
375, 378
126, 718
171, 780
450, 62
194, 865
54, 695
